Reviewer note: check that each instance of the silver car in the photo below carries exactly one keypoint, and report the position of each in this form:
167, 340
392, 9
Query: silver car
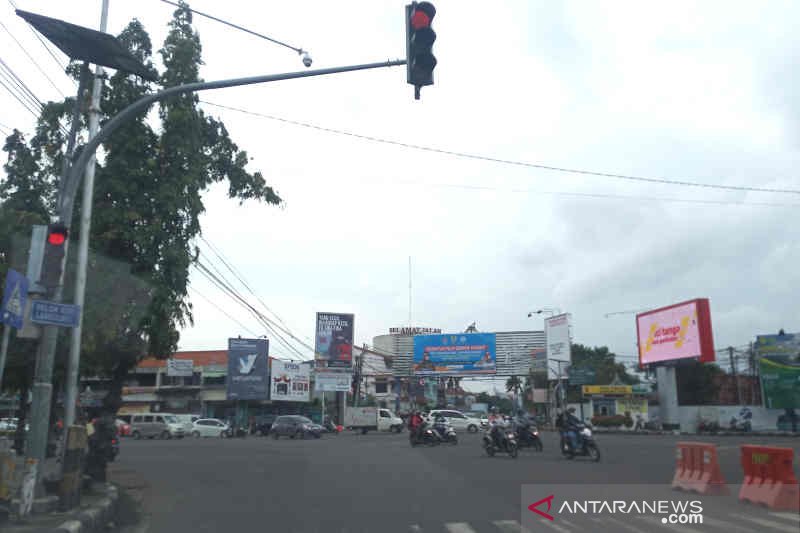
152, 425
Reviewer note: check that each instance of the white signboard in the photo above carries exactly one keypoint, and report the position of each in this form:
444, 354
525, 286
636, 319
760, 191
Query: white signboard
559, 354
180, 367
332, 382
290, 382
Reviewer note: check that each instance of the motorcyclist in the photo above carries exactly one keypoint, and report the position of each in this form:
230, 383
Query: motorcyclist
571, 426
440, 424
414, 424
496, 425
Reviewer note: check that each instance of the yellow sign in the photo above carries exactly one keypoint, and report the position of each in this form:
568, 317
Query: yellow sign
607, 389
634, 405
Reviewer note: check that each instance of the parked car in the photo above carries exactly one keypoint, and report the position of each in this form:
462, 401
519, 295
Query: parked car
457, 419
263, 424
209, 427
295, 426
188, 422
123, 428
153, 425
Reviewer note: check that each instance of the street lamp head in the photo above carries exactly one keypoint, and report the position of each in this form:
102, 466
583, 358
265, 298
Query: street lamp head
306, 58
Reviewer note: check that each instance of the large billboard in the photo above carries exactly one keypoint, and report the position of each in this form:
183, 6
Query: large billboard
248, 369
783, 346
454, 354
559, 348
290, 381
333, 381
780, 383
334, 340
680, 331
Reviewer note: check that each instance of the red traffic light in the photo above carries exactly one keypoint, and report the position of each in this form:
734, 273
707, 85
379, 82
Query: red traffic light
420, 20
56, 235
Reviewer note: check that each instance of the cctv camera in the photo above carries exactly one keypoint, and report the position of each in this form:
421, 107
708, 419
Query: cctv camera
306, 59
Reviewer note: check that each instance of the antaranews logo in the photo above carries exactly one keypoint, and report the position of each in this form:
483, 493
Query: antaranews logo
670, 511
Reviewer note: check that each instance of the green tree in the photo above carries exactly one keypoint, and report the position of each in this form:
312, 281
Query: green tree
696, 384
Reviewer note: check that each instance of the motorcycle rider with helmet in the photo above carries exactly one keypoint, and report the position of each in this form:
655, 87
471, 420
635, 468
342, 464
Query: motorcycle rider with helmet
571, 426
496, 423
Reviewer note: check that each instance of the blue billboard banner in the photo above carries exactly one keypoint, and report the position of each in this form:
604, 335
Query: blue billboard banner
248, 369
454, 354
781, 347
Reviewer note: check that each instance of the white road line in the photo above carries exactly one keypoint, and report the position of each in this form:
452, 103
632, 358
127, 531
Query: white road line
656, 520
510, 526
459, 527
791, 517
766, 523
566, 522
415, 528
554, 526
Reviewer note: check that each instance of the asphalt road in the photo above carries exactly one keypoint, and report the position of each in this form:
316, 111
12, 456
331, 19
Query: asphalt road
378, 483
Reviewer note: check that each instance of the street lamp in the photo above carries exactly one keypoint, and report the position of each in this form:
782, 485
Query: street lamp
551, 310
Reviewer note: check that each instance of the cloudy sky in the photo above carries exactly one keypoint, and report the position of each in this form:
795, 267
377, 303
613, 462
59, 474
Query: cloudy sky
701, 92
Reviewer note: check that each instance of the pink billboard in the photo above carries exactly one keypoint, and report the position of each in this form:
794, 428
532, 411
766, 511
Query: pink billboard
679, 331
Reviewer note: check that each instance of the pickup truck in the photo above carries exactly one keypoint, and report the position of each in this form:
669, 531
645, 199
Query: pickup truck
372, 418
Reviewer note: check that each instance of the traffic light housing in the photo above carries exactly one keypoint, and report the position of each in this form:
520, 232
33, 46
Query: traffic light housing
54, 250
419, 44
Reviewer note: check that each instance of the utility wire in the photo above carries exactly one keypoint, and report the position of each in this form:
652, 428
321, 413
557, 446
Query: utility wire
21, 85
466, 155
244, 328
232, 25
19, 99
33, 60
62, 67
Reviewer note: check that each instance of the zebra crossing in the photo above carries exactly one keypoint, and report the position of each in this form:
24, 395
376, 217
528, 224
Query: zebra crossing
745, 521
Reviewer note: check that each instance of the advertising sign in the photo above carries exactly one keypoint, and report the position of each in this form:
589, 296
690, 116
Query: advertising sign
291, 382
180, 367
248, 369
680, 331
14, 296
413, 330
632, 405
777, 347
559, 351
607, 389
454, 354
334, 340
333, 382
781, 384
581, 376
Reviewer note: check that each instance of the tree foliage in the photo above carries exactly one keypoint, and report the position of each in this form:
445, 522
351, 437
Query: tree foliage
695, 383
147, 201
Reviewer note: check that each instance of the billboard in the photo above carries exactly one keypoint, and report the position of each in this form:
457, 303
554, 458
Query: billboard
248, 369
180, 367
454, 354
784, 346
334, 340
333, 382
780, 383
557, 337
680, 331
291, 382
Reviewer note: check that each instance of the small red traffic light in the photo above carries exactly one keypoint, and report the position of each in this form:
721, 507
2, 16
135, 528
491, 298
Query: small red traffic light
420, 20
57, 235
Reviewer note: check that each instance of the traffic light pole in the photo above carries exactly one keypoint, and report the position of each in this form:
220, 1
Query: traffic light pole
42, 387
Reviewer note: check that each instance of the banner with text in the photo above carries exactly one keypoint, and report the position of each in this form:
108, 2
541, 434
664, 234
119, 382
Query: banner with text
291, 382
559, 349
454, 354
180, 367
334, 340
248, 369
333, 381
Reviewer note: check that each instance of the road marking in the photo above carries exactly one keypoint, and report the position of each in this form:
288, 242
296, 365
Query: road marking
550, 524
458, 527
766, 523
415, 528
792, 517
656, 520
510, 526
566, 522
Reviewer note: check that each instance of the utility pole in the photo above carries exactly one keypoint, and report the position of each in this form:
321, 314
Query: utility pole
359, 369
73, 363
735, 376
36, 445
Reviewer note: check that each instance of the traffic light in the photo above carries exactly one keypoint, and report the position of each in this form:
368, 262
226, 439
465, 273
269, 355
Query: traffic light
54, 249
419, 43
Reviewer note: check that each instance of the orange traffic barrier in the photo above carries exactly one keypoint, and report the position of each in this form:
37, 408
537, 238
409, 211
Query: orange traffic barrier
697, 469
769, 477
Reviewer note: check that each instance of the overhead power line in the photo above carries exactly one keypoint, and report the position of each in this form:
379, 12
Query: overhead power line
221, 310
61, 66
490, 159
232, 25
36, 64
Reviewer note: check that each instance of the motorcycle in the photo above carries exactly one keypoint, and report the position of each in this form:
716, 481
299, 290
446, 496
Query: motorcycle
446, 433
507, 444
424, 435
708, 426
743, 426
587, 447
528, 436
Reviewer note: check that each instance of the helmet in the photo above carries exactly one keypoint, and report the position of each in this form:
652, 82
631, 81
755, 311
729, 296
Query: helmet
571, 410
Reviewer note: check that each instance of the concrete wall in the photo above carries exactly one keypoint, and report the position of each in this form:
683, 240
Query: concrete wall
763, 419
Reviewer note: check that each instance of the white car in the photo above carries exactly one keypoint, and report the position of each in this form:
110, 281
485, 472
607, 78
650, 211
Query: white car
457, 419
209, 427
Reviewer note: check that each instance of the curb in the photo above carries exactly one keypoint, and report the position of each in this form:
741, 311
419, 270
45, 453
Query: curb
788, 434
93, 518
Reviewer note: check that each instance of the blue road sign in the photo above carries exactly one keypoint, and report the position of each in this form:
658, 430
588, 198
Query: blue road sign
14, 297
54, 314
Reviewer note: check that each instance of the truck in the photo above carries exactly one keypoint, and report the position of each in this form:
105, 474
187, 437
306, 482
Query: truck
372, 418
